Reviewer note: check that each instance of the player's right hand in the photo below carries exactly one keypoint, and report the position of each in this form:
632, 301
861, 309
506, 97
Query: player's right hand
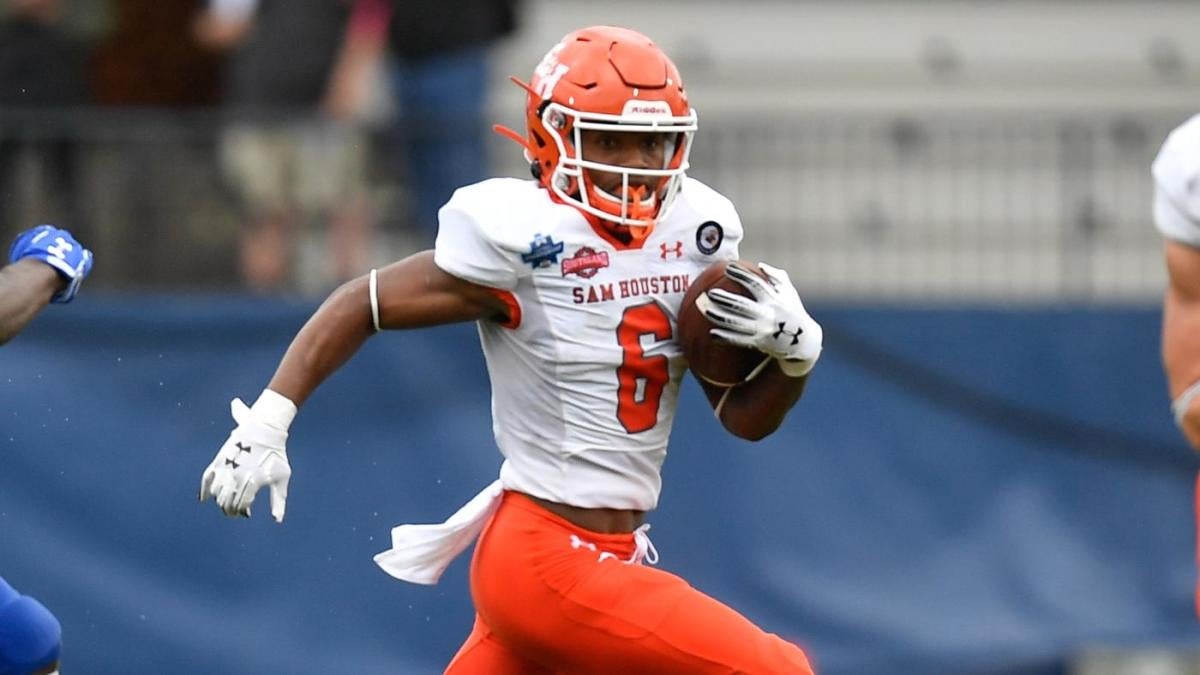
253, 457
58, 249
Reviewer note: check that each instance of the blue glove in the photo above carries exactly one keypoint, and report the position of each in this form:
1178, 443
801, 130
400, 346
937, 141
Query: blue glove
58, 249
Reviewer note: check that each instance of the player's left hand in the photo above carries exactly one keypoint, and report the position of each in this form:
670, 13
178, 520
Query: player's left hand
58, 249
774, 321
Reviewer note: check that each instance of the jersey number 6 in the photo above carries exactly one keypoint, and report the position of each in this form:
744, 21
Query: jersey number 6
638, 410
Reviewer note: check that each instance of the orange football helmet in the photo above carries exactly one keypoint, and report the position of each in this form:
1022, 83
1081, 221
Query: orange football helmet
614, 79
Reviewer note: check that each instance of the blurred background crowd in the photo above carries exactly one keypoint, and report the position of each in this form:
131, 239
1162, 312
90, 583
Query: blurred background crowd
955, 150
272, 143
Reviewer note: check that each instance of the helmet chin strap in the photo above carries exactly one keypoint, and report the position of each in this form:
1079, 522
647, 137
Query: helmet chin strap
512, 136
509, 133
637, 205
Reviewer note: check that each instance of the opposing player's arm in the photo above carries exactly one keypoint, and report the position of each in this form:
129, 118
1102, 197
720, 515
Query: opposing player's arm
47, 265
1181, 328
26, 287
754, 410
411, 293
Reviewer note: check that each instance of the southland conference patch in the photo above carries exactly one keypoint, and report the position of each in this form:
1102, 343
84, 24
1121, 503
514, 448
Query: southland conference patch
586, 262
709, 237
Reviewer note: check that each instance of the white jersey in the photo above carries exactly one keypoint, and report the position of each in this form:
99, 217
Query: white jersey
586, 377
1177, 184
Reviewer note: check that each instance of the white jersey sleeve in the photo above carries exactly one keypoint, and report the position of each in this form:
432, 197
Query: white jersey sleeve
470, 242
721, 225
1176, 173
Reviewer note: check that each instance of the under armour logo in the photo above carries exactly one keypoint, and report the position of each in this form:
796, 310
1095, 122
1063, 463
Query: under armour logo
246, 448
783, 330
677, 250
60, 248
229, 461
577, 543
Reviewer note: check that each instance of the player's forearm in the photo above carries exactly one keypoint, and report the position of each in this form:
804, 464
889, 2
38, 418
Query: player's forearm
25, 288
755, 410
330, 337
1181, 340
1181, 326
1181, 355
1181, 317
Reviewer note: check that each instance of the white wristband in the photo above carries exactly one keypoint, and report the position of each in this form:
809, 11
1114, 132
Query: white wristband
274, 409
1184, 401
373, 291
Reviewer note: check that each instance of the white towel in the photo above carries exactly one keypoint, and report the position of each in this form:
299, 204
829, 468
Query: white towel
420, 553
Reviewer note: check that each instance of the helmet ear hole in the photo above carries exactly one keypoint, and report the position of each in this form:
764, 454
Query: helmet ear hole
535, 168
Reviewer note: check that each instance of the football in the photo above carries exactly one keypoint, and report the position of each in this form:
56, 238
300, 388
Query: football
710, 359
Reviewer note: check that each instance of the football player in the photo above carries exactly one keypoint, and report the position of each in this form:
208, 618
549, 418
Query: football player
575, 279
1177, 215
46, 265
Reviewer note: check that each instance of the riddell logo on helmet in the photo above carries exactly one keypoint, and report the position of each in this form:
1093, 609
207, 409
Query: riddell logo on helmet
649, 108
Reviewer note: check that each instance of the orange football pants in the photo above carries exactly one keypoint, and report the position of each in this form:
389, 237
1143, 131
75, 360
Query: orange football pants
547, 604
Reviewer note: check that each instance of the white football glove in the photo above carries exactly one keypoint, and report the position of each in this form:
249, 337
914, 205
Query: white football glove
774, 321
253, 457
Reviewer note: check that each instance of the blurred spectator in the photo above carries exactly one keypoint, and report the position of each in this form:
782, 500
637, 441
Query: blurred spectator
40, 66
441, 83
145, 59
42, 69
296, 165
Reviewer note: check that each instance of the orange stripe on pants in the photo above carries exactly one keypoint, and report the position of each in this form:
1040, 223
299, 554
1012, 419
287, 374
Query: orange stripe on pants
546, 603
